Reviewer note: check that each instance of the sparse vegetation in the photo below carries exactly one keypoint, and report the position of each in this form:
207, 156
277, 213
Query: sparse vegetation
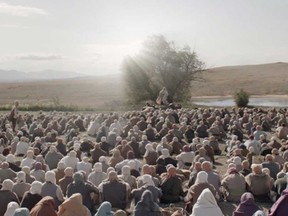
47, 107
160, 64
241, 98
101, 92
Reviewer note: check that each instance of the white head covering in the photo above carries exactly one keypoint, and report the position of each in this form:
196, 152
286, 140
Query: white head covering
259, 213
76, 146
61, 165
195, 141
126, 170
206, 205
175, 139
202, 177
118, 138
159, 148
237, 160
26, 169
110, 169
10, 158
149, 147
7, 185
147, 180
86, 159
251, 149
52, 148
11, 208
21, 177
165, 153
68, 171
72, 154
230, 165
234, 137
164, 140
98, 167
50, 177
36, 187
102, 159
103, 139
132, 164
30, 154
206, 142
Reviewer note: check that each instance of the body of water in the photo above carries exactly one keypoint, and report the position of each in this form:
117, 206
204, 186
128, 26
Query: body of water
253, 101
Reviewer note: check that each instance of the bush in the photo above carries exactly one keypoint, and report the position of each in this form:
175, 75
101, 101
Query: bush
241, 98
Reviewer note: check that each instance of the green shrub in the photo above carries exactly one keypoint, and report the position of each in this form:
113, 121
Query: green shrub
241, 98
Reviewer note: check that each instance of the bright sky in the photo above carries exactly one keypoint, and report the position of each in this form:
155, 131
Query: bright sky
93, 36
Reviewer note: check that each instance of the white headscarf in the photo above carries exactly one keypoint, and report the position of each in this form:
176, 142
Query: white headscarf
202, 177
237, 160
206, 142
149, 148
206, 205
259, 213
159, 148
195, 141
147, 180
98, 167
7, 185
76, 146
102, 159
21, 177
10, 158
126, 171
11, 208
26, 169
61, 165
132, 164
165, 153
52, 148
50, 177
36, 187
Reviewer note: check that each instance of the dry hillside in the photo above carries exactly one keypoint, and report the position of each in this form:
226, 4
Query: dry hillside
107, 91
256, 79
98, 92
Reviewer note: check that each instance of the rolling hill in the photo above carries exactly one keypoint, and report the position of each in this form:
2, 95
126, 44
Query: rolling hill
108, 90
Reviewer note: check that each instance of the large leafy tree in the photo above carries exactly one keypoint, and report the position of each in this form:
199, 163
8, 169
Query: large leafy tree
160, 64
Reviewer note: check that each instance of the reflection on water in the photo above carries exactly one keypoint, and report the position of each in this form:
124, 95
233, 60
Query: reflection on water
268, 102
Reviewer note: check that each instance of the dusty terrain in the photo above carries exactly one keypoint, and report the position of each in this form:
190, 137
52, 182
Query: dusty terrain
108, 91
262, 79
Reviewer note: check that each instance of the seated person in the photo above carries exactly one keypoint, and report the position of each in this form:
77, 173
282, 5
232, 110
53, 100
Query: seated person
234, 185
247, 206
171, 186
258, 183
195, 190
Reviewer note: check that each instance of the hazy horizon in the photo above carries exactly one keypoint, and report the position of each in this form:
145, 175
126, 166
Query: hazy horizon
93, 37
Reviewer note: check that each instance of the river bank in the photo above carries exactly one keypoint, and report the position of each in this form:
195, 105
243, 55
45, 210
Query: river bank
255, 100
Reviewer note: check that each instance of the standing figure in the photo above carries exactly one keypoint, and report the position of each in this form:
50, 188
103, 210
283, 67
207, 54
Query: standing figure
162, 97
14, 115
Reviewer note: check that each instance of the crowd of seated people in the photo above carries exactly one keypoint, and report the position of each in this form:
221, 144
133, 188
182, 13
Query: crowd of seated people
139, 162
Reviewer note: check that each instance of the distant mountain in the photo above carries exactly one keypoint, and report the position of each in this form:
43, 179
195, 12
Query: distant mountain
12, 76
18, 76
53, 74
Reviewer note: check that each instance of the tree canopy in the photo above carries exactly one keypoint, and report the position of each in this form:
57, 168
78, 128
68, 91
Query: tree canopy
160, 64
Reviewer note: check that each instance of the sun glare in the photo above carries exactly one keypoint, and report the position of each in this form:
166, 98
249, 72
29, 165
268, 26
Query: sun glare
132, 49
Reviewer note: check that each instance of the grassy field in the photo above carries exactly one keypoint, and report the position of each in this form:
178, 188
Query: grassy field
107, 92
